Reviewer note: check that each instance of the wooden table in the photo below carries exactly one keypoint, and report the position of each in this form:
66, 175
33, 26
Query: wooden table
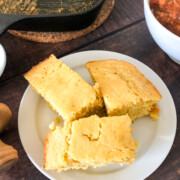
126, 32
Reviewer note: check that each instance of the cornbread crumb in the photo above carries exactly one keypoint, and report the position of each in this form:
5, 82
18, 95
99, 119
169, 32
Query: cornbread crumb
155, 112
52, 126
57, 120
137, 144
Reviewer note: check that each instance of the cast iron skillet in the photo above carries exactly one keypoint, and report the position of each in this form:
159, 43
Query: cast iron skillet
60, 22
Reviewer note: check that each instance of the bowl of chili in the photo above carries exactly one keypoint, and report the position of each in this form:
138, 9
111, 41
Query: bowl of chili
163, 21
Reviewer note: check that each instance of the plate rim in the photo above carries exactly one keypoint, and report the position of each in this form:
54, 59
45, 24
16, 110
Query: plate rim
3, 57
118, 54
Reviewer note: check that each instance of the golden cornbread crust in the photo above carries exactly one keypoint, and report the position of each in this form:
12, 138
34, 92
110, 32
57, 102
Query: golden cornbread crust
64, 90
124, 88
129, 66
90, 142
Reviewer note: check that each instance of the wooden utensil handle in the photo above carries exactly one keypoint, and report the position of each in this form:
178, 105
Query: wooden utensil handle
8, 156
8, 19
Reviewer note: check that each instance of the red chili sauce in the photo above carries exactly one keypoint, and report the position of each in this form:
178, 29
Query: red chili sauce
167, 12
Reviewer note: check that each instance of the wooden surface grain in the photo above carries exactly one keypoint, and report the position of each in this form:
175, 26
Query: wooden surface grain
125, 32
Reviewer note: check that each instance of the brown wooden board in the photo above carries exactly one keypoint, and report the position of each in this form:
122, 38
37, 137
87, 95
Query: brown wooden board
124, 31
134, 41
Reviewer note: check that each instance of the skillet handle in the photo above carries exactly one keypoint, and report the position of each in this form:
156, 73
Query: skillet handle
8, 19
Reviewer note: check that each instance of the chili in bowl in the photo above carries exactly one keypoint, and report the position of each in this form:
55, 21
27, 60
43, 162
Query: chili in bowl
163, 21
167, 12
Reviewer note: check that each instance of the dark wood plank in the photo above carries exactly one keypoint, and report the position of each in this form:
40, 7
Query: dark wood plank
24, 54
134, 41
11, 93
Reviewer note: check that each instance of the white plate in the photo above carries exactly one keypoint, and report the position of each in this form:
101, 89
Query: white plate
155, 137
2, 59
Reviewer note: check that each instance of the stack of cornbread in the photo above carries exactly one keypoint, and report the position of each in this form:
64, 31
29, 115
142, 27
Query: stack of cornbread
87, 139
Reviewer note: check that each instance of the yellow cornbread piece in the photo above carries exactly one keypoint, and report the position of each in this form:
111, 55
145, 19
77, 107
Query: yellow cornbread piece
64, 90
90, 142
124, 88
56, 150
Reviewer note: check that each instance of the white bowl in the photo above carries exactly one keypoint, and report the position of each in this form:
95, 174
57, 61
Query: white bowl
2, 59
166, 40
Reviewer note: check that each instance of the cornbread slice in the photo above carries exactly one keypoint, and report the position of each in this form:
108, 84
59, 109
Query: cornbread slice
64, 90
56, 151
90, 142
124, 88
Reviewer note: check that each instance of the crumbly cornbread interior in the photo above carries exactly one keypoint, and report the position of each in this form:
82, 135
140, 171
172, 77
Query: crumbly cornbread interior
124, 88
64, 90
91, 141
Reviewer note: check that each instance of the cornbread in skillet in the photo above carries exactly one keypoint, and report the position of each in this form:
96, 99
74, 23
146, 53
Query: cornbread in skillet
125, 89
90, 142
64, 90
